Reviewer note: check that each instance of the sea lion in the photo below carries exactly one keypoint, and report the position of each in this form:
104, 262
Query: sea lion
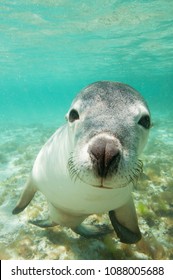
89, 165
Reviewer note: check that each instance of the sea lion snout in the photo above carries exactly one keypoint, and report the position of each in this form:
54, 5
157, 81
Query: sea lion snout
105, 156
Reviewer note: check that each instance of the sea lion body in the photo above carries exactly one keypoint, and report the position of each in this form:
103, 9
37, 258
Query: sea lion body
89, 164
61, 190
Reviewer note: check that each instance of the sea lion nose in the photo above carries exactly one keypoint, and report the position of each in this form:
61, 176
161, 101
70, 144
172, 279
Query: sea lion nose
105, 155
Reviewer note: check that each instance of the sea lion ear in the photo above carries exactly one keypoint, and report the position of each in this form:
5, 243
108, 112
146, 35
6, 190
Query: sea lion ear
26, 197
125, 224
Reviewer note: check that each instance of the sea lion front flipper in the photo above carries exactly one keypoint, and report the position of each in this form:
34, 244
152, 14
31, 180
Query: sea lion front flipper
125, 223
26, 197
92, 231
43, 223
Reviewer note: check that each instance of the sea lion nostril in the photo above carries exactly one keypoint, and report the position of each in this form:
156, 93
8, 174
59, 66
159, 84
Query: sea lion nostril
112, 158
112, 154
105, 155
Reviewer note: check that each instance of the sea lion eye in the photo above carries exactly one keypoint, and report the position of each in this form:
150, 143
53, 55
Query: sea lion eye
73, 115
145, 121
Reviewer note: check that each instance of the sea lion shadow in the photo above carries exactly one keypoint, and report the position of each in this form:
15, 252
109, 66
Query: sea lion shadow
60, 236
58, 233
80, 247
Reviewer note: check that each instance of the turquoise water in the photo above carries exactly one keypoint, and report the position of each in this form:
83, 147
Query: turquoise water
49, 50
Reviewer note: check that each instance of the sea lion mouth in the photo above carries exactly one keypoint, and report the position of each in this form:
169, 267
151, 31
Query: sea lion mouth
102, 187
130, 176
100, 184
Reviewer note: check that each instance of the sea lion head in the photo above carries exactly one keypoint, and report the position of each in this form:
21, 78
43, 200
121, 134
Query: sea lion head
109, 123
